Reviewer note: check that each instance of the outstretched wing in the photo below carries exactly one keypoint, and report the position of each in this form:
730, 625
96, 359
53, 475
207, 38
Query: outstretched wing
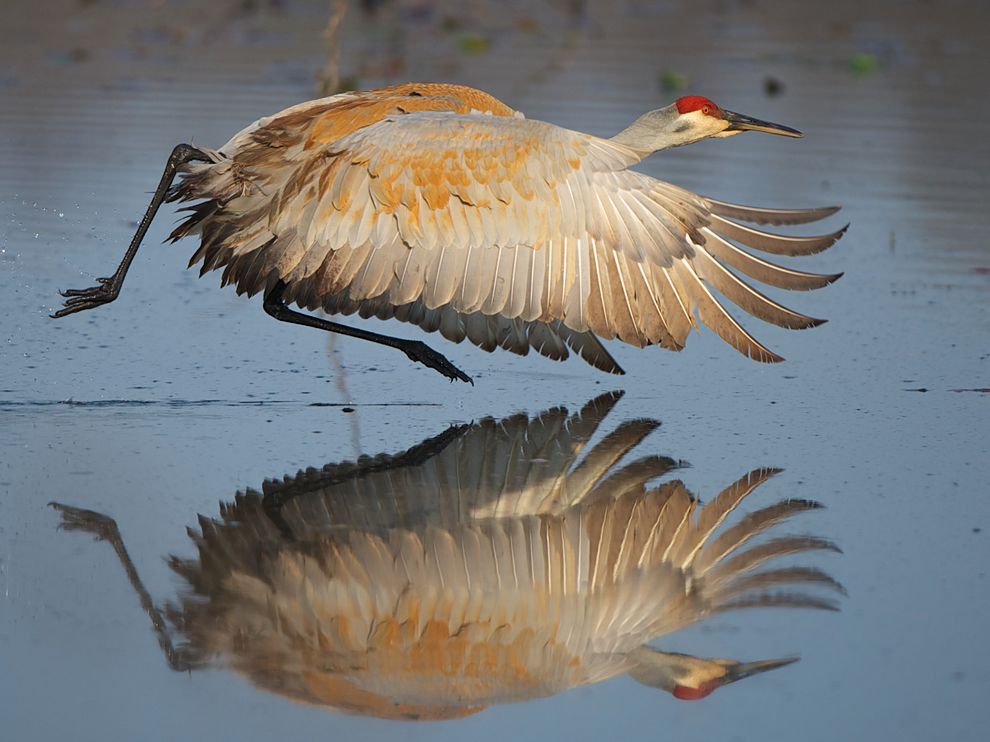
508, 232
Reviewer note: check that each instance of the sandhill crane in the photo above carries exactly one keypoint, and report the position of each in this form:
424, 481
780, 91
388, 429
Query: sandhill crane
492, 563
439, 205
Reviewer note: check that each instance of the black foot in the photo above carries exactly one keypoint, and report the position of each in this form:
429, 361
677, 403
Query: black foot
422, 353
78, 519
79, 300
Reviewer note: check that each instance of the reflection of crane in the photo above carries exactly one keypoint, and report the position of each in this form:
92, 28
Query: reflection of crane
441, 206
492, 563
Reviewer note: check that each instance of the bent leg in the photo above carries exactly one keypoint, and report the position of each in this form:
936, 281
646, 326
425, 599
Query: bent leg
415, 350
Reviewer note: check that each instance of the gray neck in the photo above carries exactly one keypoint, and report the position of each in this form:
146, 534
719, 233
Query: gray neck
656, 130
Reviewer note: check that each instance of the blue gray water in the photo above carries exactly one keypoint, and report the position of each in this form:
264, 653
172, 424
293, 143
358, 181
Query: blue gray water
180, 394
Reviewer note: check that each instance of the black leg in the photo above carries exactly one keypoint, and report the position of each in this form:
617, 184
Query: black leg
279, 493
417, 351
109, 288
105, 529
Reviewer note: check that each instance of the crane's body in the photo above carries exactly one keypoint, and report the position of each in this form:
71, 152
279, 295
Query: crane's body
440, 206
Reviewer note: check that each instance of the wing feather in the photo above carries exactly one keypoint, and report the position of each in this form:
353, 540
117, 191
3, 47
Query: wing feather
762, 270
775, 243
550, 339
601, 316
715, 316
769, 216
746, 297
461, 216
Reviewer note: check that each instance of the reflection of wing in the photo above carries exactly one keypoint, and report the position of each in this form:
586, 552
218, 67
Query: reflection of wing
532, 574
511, 467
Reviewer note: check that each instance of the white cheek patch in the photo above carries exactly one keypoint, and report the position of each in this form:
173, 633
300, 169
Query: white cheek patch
703, 125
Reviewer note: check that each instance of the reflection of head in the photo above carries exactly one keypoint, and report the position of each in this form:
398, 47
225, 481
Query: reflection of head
490, 564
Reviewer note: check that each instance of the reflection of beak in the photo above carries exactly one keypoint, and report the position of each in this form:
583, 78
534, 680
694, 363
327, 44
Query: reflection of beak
738, 122
731, 671
746, 669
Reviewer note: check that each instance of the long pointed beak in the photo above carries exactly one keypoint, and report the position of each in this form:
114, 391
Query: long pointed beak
738, 122
746, 669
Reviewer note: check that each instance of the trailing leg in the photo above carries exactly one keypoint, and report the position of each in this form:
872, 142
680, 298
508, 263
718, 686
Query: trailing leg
109, 288
105, 528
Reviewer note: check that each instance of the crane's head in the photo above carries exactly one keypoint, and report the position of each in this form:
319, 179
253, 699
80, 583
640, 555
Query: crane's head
690, 119
692, 678
699, 113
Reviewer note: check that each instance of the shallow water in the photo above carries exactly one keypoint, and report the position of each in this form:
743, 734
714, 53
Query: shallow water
179, 394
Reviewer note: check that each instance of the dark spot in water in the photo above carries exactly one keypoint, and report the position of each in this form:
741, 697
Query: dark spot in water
772, 86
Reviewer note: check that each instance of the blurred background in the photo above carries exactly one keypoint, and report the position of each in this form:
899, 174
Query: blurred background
180, 394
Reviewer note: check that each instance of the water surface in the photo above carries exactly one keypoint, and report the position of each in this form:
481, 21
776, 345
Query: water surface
179, 394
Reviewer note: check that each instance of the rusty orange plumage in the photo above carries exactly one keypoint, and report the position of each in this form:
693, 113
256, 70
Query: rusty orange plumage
441, 206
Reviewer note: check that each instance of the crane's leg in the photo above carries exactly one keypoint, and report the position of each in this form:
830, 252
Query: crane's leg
417, 351
109, 288
105, 529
